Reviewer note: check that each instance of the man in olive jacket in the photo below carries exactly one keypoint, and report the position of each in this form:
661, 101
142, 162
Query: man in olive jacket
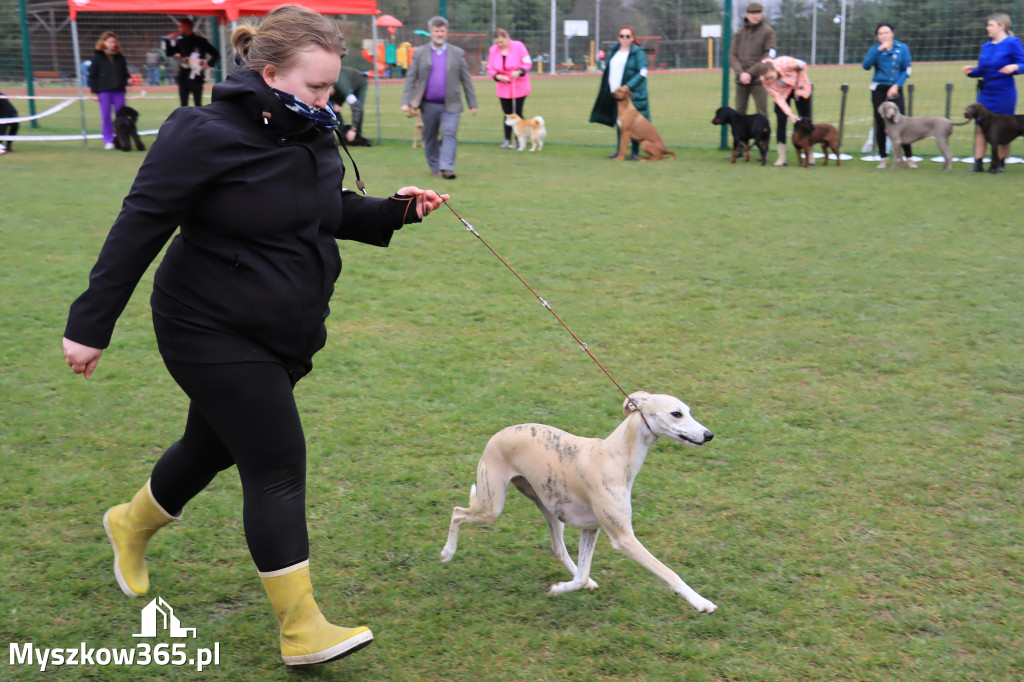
754, 41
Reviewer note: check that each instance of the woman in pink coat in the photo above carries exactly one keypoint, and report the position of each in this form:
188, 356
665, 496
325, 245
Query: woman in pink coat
508, 63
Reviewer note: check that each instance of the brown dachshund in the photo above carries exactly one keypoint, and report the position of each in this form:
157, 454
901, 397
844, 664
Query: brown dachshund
807, 134
998, 129
634, 126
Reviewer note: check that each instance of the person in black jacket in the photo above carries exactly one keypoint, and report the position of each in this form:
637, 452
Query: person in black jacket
239, 300
108, 81
195, 54
351, 89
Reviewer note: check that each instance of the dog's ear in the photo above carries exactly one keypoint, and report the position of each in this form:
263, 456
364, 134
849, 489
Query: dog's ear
634, 401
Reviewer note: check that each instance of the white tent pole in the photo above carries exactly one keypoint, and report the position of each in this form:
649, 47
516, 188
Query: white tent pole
78, 79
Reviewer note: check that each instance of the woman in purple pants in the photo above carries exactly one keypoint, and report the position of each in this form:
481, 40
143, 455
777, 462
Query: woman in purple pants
108, 79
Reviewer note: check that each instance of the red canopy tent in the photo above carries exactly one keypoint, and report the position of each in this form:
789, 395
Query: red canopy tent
227, 9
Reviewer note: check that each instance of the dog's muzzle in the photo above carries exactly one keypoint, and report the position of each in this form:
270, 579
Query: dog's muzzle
707, 436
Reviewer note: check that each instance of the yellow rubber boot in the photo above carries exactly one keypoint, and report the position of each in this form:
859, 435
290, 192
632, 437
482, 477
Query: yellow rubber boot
306, 636
129, 527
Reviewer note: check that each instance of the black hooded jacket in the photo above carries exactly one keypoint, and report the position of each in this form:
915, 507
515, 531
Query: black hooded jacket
257, 192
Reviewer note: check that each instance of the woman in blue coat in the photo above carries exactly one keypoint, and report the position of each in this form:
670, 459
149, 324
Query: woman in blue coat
627, 66
891, 60
1002, 58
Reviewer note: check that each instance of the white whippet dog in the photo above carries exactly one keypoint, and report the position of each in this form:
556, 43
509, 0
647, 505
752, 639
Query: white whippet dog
583, 482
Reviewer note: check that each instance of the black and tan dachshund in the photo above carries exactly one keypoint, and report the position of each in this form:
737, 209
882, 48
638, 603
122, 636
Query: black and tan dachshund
748, 130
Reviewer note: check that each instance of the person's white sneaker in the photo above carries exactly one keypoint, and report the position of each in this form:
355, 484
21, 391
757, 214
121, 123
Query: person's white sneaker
108, 145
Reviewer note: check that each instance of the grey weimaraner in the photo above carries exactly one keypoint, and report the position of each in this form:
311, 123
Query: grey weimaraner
903, 130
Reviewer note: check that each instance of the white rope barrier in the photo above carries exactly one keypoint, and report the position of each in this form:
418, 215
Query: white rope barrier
61, 138
52, 110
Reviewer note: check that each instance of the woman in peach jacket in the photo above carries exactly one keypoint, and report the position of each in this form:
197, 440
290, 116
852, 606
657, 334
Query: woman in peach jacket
785, 79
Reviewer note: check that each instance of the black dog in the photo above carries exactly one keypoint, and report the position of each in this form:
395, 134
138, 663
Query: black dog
997, 128
7, 110
125, 130
747, 131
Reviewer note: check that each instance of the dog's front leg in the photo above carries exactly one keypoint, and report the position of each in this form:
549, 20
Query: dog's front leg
624, 133
897, 151
625, 542
588, 541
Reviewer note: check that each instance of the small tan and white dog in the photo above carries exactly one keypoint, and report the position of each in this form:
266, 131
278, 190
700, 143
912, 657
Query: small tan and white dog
417, 131
534, 127
583, 482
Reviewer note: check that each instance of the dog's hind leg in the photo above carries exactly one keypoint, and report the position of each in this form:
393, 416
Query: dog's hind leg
588, 541
486, 499
556, 527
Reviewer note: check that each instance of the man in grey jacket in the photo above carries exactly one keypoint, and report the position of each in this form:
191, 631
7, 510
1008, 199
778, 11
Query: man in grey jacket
754, 41
436, 75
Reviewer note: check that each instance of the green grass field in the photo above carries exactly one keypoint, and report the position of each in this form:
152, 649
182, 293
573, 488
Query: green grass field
852, 337
682, 106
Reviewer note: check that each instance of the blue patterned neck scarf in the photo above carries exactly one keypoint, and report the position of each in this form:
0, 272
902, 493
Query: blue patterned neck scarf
323, 119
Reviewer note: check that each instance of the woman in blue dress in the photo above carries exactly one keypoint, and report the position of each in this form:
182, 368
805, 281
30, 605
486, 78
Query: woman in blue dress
1002, 57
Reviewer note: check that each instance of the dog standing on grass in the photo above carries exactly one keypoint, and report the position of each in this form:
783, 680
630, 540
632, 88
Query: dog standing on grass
634, 126
748, 130
7, 110
583, 482
417, 130
807, 134
998, 129
125, 131
534, 127
903, 130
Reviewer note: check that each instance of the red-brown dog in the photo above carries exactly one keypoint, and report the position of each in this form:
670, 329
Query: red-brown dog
807, 134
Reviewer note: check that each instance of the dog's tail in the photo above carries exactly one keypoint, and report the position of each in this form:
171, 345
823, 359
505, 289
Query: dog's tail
472, 495
962, 123
540, 119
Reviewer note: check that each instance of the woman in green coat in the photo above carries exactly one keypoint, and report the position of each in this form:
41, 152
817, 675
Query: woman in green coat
627, 66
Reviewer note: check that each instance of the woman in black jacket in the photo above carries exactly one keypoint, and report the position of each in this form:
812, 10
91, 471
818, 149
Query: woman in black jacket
108, 80
239, 300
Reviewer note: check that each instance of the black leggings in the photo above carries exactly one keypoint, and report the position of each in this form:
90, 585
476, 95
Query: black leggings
511, 106
877, 97
189, 86
803, 110
244, 415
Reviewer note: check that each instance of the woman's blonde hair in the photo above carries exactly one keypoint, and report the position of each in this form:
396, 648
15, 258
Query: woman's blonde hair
1003, 19
287, 30
108, 34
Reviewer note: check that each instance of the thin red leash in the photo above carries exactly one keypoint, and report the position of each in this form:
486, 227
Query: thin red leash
551, 310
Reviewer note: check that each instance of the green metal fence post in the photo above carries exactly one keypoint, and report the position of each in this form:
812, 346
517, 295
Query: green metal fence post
726, 46
26, 55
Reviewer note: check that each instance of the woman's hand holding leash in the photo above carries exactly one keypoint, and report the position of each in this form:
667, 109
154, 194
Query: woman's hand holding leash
426, 199
81, 359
